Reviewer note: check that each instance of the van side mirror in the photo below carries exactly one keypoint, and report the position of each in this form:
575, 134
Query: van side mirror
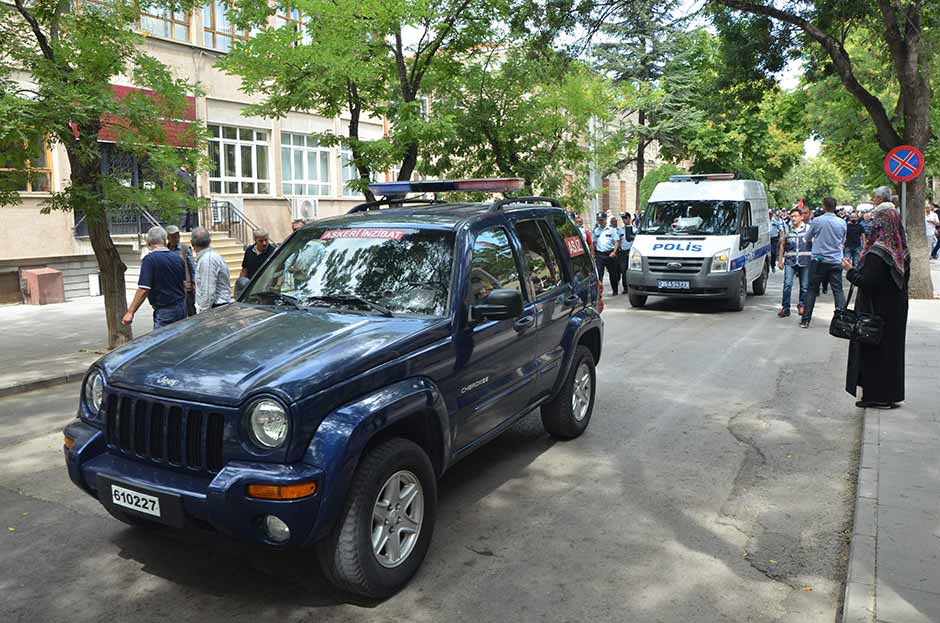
240, 286
500, 304
752, 233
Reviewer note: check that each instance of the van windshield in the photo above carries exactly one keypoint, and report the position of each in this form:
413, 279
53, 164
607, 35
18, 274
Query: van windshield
692, 217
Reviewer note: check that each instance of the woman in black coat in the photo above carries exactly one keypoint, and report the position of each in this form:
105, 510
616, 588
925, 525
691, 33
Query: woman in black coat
881, 278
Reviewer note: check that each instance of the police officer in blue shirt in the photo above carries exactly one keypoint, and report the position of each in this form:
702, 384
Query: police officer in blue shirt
627, 234
607, 247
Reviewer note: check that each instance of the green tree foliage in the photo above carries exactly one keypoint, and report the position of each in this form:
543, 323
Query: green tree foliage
517, 112
56, 86
811, 181
654, 177
363, 57
884, 55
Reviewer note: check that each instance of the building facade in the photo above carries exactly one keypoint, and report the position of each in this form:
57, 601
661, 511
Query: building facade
257, 164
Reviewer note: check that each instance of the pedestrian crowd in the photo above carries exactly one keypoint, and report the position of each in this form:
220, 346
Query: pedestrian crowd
184, 280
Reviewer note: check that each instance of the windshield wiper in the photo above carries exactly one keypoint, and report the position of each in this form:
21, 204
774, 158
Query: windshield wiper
274, 294
353, 298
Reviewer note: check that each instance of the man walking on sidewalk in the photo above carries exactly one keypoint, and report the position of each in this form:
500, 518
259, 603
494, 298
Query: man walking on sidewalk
161, 282
795, 256
213, 285
828, 235
189, 265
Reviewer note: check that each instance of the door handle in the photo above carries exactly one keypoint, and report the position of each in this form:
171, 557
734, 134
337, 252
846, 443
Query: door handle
523, 323
573, 300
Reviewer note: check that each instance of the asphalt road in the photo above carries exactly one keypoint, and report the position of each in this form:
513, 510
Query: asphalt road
715, 483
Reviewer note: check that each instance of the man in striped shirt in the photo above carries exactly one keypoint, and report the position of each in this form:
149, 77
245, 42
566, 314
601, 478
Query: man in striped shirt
795, 257
213, 285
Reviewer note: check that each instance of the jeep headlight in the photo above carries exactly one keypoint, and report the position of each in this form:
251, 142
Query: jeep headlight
636, 260
267, 423
721, 261
94, 392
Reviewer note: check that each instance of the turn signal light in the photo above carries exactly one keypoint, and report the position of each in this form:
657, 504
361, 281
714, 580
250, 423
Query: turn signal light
69, 442
282, 492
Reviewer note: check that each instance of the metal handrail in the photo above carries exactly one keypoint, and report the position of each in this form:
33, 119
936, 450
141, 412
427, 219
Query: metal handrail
223, 215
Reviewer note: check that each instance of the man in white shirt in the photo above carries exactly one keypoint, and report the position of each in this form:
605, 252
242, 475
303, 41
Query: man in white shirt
213, 285
932, 221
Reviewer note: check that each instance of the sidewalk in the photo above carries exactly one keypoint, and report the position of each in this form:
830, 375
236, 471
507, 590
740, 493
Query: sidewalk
894, 564
44, 345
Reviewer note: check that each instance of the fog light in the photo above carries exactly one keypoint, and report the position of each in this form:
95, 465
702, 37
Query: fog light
69, 442
276, 529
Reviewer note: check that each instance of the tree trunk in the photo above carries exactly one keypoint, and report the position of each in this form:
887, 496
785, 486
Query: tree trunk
408, 163
640, 158
110, 265
355, 113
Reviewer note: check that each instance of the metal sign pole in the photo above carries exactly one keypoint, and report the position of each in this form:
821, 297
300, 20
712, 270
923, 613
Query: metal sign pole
903, 199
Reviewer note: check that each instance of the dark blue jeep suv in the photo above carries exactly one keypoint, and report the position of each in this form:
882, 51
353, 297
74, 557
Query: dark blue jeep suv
370, 353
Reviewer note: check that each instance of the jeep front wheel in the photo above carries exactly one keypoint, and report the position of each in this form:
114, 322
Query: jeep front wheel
567, 415
382, 537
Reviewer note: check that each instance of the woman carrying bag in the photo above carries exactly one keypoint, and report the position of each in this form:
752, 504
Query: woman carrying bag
881, 278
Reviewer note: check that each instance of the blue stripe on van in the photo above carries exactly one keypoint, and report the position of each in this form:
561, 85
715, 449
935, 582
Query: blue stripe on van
757, 253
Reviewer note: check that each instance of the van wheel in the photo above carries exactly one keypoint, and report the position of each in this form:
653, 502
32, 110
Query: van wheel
759, 285
384, 532
636, 300
567, 415
737, 303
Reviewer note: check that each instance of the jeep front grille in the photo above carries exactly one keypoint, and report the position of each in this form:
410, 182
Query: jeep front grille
165, 433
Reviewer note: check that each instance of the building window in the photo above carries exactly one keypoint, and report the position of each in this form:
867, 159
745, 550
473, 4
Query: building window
219, 31
238, 161
350, 172
160, 21
293, 17
26, 168
305, 165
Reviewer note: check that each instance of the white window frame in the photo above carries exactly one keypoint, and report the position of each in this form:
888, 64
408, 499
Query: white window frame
222, 184
349, 172
321, 181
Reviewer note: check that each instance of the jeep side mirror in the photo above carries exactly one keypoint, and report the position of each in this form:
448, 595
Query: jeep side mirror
501, 304
752, 233
240, 286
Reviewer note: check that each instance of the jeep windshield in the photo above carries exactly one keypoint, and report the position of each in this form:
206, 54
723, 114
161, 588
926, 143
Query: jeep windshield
692, 217
379, 270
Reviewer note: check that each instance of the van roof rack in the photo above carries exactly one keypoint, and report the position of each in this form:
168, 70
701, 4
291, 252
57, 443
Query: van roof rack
708, 177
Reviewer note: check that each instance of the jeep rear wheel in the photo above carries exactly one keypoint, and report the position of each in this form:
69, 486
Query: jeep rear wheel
567, 415
383, 535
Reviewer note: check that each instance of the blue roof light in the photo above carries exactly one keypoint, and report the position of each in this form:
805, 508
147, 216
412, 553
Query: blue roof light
488, 185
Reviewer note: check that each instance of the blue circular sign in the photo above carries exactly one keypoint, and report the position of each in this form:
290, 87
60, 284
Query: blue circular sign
904, 163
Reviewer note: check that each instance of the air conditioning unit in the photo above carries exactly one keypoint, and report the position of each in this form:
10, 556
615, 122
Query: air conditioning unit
304, 208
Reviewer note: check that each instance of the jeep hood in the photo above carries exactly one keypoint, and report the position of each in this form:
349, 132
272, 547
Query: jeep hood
221, 356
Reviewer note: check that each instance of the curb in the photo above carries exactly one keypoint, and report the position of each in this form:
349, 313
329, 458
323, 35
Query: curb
76, 374
860, 604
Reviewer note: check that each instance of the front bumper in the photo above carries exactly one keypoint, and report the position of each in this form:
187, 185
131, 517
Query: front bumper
217, 502
702, 285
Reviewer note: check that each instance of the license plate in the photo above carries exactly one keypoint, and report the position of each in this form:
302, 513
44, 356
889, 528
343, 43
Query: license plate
673, 285
134, 500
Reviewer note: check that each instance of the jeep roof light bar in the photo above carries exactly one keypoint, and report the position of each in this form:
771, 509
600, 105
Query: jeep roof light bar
710, 177
486, 185
499, 205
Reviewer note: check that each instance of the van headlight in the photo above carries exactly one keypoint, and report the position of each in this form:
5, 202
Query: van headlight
721, 261
94, 392
636, 260
267, 423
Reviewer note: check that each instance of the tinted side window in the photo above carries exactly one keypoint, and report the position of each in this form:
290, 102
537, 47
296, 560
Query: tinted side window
492, 266
542, 270
581, 264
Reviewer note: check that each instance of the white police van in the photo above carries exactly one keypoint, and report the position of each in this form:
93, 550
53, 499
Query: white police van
702, 236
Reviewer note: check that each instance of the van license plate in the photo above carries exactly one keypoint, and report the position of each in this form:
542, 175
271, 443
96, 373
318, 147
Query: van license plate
673, 285
134, 500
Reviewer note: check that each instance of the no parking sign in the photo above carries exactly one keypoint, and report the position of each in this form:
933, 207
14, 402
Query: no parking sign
904, 163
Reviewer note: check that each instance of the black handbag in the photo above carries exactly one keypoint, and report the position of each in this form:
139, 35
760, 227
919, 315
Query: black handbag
850, 324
